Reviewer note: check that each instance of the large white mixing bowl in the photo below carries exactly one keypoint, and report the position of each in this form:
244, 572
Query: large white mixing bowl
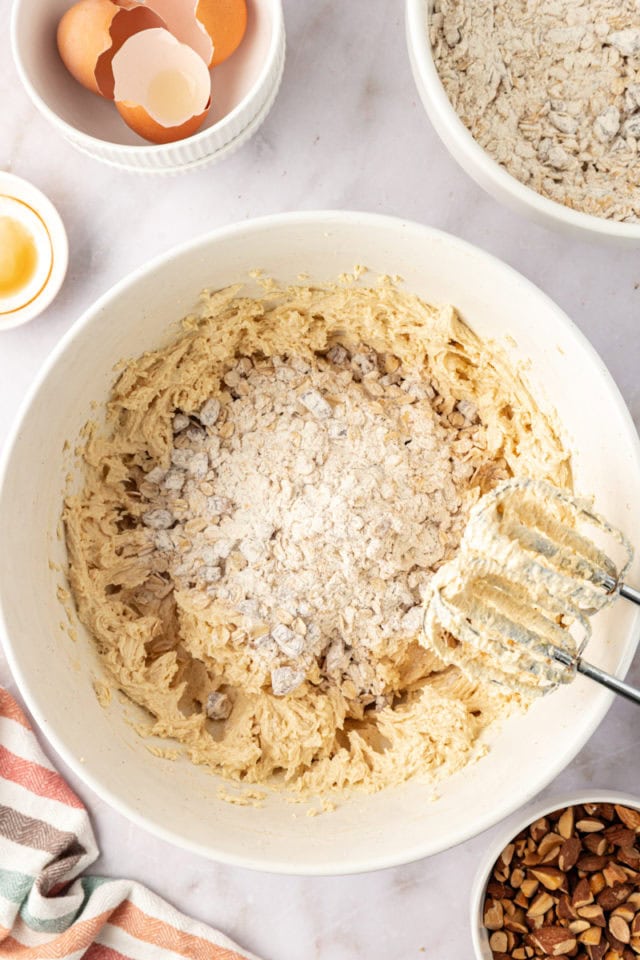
177, 801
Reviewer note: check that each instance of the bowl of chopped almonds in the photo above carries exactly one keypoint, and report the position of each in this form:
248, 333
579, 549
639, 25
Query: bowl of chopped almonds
540, 107
563, 882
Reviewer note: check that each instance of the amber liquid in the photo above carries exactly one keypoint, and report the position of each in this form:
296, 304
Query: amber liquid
18, 257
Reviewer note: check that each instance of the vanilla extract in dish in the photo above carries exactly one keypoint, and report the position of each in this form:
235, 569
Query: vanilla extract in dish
26, 255
18, 256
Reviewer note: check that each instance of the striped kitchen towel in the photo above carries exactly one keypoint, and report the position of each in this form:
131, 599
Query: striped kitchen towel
48, 908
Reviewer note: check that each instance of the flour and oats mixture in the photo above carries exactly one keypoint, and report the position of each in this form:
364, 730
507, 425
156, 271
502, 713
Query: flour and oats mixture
551, 89
261, 517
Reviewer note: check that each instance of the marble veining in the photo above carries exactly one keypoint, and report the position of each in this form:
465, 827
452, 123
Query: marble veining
347, 130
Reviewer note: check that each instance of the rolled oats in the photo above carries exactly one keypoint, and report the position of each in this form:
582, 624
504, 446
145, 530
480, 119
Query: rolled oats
218, 706
285, 680
180, 422
549, 89
291, 644
158, 519
319, 508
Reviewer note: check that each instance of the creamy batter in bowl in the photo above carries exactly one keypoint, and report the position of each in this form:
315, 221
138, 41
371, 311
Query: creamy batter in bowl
186, 803
261, 517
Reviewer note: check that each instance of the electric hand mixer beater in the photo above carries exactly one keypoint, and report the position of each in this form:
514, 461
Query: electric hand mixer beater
514, 606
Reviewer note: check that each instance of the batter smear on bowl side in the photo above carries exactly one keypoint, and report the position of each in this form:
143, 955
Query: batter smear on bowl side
261, 515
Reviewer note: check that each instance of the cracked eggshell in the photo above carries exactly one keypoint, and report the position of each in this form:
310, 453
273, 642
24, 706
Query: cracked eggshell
180, 18
226, 22
83, 34
131, 21
162, 87
214, 28
92, 31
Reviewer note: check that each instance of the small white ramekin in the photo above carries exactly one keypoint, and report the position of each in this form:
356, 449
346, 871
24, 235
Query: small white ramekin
487, 172
511, 829
15, 188
246, 85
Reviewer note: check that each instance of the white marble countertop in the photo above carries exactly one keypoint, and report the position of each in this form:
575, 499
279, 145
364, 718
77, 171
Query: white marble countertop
347, 130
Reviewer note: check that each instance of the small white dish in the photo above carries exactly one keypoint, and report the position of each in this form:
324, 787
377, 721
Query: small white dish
243, 91
511, 829
24, 204
475, 161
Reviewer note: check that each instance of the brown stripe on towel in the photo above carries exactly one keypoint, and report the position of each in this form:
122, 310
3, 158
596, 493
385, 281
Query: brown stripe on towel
30, 832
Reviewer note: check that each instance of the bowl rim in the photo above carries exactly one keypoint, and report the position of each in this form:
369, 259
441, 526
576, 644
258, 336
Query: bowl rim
523, 818
473, 158
95, 145
325, 220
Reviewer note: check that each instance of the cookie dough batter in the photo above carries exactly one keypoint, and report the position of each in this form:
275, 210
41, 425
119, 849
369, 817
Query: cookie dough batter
262, 513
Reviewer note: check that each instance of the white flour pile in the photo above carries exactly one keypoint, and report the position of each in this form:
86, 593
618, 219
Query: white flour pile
551, 89
329, 501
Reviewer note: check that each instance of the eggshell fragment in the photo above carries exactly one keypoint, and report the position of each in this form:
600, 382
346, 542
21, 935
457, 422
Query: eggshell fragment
92, 31
214, 28
180, 18
226, 22
145, 126
162, 87
83, 34
129, 22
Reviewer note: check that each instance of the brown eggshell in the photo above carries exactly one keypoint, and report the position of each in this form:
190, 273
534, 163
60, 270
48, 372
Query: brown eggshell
226, 22
180, 18
129, 20
145, 126
83, 35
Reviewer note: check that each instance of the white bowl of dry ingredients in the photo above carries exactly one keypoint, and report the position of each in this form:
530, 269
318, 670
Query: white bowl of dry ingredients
336, 378
539, 103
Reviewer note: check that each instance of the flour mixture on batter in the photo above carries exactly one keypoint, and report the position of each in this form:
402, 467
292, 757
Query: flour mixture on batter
261, 517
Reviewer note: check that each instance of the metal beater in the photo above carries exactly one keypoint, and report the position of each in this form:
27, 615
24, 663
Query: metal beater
514, 606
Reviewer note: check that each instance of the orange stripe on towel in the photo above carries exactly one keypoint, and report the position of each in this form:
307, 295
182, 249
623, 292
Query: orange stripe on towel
161, 934
99, 952
37, 779
10, 709
81, 934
